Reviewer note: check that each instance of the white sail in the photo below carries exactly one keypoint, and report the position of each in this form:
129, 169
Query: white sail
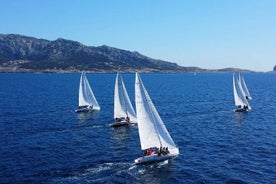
239, 97
82, 101
240, 85
152, 130
122, 104
86, 95
244, 87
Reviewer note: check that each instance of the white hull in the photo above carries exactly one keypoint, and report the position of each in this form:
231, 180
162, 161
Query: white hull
84, 109
153, 158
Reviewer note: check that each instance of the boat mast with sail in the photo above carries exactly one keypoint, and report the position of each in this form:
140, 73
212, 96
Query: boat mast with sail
155, 140
87, 100
241, 103
124, 113
244, 88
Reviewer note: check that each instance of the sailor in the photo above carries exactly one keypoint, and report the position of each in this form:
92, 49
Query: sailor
127, 118
150, 151
167, 150
160, 151
156, 151
164, 151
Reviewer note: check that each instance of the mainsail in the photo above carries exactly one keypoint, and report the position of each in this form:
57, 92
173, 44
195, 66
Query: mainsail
239, 97
122, 104
86, 95
152, 130
244, 88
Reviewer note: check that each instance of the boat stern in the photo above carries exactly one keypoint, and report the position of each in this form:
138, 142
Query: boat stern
153, 158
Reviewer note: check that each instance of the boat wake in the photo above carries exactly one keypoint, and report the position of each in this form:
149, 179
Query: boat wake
165, 162
108, 172
101, 173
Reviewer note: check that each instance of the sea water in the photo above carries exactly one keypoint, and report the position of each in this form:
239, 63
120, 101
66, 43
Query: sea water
43, 140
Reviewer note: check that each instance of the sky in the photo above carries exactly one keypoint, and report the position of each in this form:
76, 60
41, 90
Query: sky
211, 34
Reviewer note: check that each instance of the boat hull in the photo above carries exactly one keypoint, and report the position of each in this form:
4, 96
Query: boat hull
85, 109
119, 124
153, 158
242, 109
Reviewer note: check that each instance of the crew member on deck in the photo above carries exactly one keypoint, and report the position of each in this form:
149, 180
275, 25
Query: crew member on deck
127, 118
167, 150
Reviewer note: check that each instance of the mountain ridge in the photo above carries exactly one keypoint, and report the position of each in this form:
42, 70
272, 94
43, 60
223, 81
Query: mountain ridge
19, 53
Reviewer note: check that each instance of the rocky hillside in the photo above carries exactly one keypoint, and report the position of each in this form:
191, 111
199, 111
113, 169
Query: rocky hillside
22, 53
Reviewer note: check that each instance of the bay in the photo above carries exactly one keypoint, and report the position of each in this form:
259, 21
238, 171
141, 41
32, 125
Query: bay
44, 141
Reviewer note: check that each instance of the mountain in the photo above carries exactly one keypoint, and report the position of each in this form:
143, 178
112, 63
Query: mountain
231, 70
23, 54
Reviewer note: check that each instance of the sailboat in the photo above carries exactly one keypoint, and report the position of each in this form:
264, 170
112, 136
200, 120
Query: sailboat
155, 140
241, 103
124, 113
87, 100
244, 89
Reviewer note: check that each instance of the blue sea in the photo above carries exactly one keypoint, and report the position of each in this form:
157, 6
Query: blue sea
42, 139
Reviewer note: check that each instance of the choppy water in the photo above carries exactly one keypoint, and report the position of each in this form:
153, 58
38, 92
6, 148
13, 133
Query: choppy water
43, 141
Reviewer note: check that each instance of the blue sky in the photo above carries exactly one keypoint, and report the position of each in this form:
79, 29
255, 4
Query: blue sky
209, 34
